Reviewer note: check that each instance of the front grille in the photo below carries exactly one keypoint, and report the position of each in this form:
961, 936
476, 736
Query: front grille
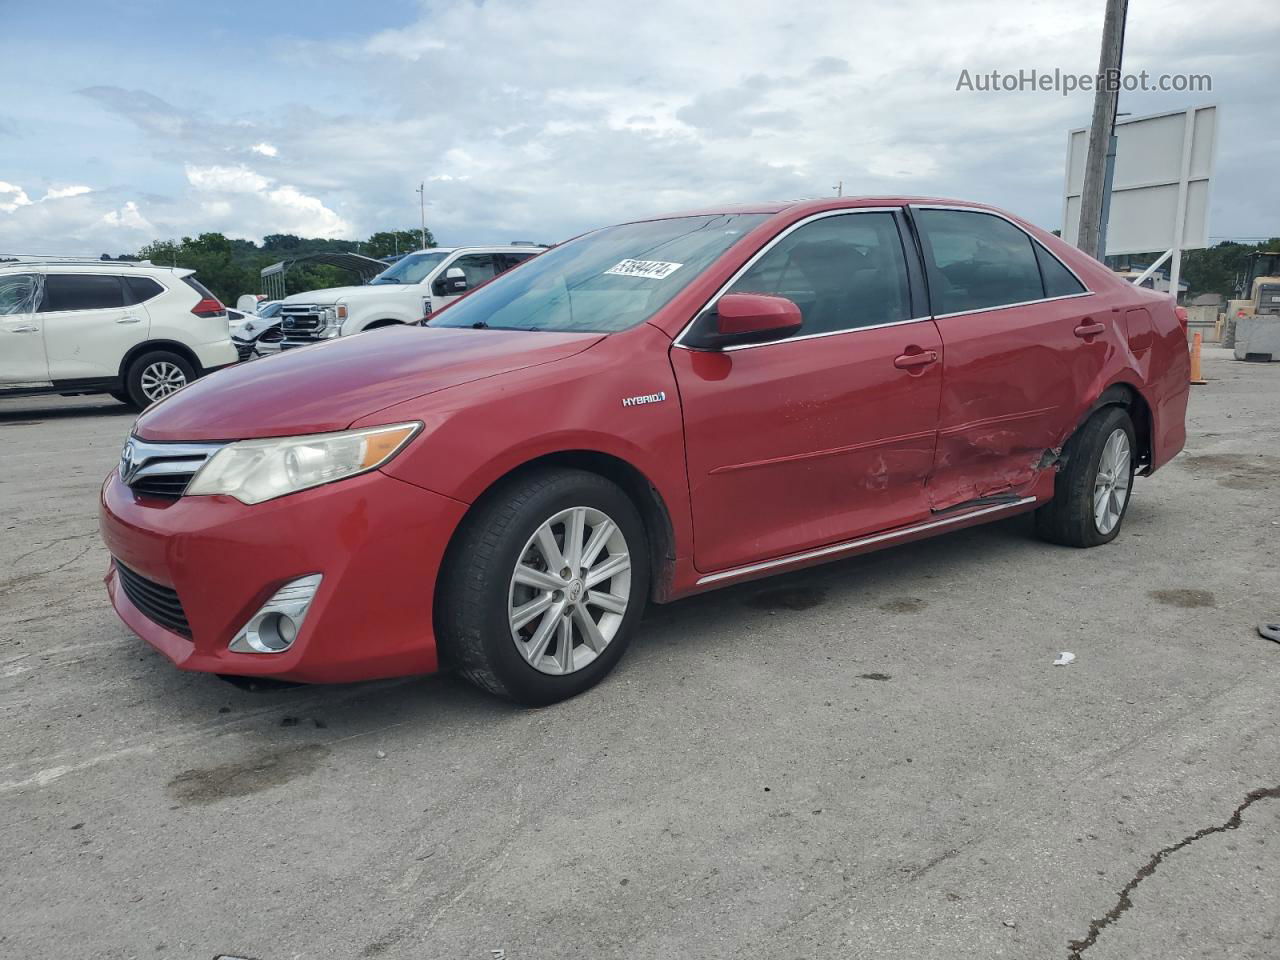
158, 604
301, 324
163, 486
162, 471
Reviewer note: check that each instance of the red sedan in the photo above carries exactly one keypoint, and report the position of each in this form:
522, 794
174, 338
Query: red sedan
648, 411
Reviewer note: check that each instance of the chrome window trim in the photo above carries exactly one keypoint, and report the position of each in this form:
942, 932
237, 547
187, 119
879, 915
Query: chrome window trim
841, 212
1010, 306
1003, 306
836, 548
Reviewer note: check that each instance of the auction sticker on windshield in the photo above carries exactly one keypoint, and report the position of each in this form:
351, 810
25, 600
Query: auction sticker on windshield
650, 269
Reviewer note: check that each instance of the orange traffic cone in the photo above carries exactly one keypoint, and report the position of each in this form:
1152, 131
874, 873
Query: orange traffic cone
1196, 379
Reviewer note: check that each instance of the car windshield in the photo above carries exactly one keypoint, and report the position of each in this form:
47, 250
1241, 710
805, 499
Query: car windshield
412, 269
269, 310
604, 281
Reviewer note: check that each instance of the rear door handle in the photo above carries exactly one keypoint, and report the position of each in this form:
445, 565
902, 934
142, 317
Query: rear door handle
909, 360
24, 329
1089, 328
129, 320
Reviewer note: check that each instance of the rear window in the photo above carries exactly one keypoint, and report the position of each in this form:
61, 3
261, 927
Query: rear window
142, 289
976, 261
198, 287
1058, 280
82, 291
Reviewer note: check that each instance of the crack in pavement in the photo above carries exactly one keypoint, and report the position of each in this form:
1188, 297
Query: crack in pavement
1076, 948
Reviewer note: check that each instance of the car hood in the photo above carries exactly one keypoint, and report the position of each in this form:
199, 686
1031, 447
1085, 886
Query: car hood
330, 385
334, 294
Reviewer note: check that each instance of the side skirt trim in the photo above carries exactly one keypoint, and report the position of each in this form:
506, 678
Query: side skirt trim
838, 548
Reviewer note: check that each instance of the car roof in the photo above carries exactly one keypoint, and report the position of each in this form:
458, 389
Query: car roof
140, 267
815, 205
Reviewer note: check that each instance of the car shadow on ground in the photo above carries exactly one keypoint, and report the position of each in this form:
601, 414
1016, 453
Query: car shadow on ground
445, 699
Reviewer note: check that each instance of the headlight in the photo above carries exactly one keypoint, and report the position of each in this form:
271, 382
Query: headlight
256, 470
341, 311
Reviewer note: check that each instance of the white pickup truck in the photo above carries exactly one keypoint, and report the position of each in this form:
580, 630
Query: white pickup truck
408, 291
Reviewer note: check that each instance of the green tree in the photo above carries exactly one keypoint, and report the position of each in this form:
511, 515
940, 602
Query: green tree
387, 243
232, 267
1217, 269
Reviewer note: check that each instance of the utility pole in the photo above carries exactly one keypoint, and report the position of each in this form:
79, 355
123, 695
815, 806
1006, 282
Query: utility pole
1093, 193
839, 188
422, 208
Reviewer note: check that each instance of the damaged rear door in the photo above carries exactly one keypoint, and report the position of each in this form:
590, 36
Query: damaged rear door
1021, 350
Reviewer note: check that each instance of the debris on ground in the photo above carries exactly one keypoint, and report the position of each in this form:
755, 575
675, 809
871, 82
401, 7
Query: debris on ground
1270, 630
1064, 658
381, 754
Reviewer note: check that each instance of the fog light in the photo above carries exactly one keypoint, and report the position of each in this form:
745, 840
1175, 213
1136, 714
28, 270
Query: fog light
277, 624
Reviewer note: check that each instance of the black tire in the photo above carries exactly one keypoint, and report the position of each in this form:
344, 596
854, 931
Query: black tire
122, 397
473, 626
150, 362
1069, 518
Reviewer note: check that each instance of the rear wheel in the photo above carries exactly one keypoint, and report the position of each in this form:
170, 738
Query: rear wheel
542, 590
156, 375
121, 396
1091, 493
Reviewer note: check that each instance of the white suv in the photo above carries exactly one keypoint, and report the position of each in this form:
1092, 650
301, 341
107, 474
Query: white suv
408, 291
133, 330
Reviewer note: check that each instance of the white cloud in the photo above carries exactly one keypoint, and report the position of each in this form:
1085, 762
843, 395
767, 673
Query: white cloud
244, 201
127, 216
62, 193
266, 149
226, 179
12, 197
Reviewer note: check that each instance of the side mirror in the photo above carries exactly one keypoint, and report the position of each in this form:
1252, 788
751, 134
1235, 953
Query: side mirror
455, 280
749, 318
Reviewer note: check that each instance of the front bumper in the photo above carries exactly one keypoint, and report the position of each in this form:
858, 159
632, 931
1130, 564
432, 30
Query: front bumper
377, 540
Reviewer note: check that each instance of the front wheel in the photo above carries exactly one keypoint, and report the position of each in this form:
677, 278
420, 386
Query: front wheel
1091, 493
156, 375
542, 590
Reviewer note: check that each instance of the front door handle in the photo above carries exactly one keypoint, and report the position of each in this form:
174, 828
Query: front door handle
1089, 328
129, 320
28, 328
909, 361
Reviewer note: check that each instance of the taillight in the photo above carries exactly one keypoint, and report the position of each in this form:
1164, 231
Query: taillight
1182, 317
209, 307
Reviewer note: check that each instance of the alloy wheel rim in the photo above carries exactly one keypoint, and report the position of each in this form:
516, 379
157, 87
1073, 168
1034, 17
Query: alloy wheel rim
1111, 486
161, 379
570, 590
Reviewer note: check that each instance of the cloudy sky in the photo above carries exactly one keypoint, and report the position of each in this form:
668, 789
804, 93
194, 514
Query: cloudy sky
130, 120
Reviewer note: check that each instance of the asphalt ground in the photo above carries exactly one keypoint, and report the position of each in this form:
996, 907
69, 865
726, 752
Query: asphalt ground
876, 758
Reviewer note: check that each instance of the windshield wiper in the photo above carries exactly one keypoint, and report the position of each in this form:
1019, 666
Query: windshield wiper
480, 325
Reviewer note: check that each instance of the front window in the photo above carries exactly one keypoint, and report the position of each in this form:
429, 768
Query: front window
603, 282
412, 269
18, 294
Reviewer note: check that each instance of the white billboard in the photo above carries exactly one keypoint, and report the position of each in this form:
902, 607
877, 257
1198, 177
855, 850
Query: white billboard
1160, 193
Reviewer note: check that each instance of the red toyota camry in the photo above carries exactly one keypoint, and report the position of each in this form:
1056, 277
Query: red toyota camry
648, 411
